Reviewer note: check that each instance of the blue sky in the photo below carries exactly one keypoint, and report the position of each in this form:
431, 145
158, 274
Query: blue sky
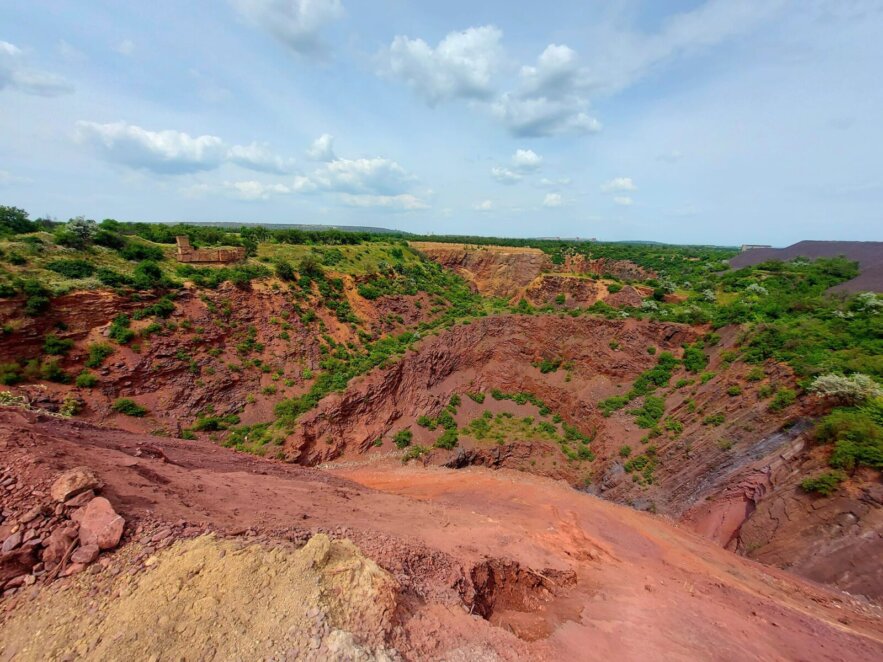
724, 121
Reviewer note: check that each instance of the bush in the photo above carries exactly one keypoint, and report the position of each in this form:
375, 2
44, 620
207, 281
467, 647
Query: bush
714, 419
857, 435
56, 346
128, 407
119, 330
825, 484
853, 390
98, 352
413, 453
783, 398
755, 374
403, 438
734, 390
37, 301
86, 379
284, 271
52, 372
111, 278
447, 440
625, 451
10, 373
137, 252
476, 397
650, 412
694, 358
148, 276
72, 268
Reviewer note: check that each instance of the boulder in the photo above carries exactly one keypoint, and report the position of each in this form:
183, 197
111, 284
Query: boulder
99, 524
11, 542
74, 482
85, 554
80, 500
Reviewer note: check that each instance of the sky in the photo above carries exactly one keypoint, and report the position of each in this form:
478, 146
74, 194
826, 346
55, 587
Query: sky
716, 122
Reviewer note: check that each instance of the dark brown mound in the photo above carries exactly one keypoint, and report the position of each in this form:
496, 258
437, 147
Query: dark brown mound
869, 255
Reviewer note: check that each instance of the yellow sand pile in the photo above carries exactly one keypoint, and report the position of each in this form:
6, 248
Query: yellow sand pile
210, 599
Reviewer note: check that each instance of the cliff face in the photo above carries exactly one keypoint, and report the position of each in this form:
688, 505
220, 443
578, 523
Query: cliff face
499, 271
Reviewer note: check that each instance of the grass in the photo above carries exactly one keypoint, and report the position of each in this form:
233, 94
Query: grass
357, 260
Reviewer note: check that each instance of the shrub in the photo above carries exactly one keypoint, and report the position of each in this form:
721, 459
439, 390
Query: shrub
403, 438
111, 278
98, 352
10, 373
426, 422
447, 440
137, 252
413, 453
694, 358
734, 390
706, 377
825, 484
549, 365
37, 301
853, 390
714, 419
755, 374
56, 346
455, 400
650, 413
52, 372
783, 398
86, 379
625, 451
612, 404
72, 268
119, 330
857, 435
284, 271
476, 397
128, 407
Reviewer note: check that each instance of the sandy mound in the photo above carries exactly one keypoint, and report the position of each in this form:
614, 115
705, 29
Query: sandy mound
211, 599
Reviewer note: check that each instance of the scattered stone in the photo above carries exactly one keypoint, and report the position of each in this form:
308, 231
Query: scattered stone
73, 569
32, 514
80, 500
17, 562
100, 525
85, 554
11, 542
57, 543
74, 482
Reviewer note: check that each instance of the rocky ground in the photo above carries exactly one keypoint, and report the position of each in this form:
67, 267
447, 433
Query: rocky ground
258, 551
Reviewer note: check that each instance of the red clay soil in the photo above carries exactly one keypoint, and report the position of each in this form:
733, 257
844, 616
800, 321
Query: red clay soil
489, 565
869, 255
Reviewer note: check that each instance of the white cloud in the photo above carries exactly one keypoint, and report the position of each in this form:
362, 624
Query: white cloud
534, 117
254, 190
553, 200
556, 73
8, 179
555, 183
165, 152
505, 176
618, 184
173, 152
461, 66
484, 205
16, 75
259, 157
376, 176
125, 47
296, 23
526, 160
403, 201
623, 200
322, 148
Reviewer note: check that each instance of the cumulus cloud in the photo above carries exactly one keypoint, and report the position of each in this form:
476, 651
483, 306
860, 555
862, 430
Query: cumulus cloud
259, 157
295, 23
322, 148
173, 152
484, 205
553, 200
165, 152
462, 65
555, 183
556, 73
623, 200
536, 117
618, 184
403, 201
505, 176
255, 190
367, 175
526, 160
15, 74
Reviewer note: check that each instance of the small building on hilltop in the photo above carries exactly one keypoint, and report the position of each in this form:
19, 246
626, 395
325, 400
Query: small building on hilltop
751, 247
186, 253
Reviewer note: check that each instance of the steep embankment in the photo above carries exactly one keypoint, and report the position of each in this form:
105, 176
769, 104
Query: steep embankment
716, 461
586, 579
521, 272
